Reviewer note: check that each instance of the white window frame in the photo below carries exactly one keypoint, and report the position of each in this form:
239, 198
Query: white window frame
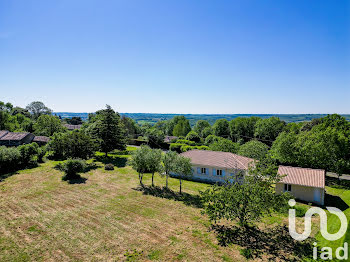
287, 188
203, 170
219, 172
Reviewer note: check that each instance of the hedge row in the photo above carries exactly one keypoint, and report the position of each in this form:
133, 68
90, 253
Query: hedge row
15, 158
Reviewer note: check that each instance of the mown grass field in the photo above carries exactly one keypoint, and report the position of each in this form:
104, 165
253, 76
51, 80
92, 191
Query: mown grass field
105, 217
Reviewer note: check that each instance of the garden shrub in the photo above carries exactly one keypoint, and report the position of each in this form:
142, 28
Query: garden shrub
109, 167
41, 153
185, 148
29, 154
9, 159
211, 139
186, 142
176, 147
72, 168
300, 210
194, 137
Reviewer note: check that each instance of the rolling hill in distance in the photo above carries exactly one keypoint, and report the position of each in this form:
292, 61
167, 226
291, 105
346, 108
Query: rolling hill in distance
152, 118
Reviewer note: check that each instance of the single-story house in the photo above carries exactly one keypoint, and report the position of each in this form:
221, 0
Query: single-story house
72, 127
41, 140
16, 138
215, 166
305, 184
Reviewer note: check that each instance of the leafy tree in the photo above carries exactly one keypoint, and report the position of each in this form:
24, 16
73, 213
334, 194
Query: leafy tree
75, 144
211, 139
268, 129
162, 126
193, 136
182, 128
154, 162
183, 169
254, 149
242, 128
224, 145
155, 137
5, 107
284, 148
169, 163
47, 125
19, 110
38, 108
200, 126
221, 128
108, 130
139, 161
75, 120
206, 132
246, 202
132, 129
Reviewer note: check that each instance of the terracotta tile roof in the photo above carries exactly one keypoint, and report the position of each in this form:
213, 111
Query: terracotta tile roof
43, 139
14, 136
302, 176
218, 159
72, 127
3, 132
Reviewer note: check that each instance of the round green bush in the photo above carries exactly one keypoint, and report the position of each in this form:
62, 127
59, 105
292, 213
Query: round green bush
72, 168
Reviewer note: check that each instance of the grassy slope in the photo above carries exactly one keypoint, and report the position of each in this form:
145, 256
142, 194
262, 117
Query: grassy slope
334, 222
44, 218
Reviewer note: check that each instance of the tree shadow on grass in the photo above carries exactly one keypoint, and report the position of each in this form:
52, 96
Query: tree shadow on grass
75, 180
273, 243
163, 192
335, 201
7, 173
116, 161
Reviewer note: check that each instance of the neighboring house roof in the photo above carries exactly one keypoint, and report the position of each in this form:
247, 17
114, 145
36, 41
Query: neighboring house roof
14, 136
43, 139
168, 139
218, 159
3, 132
303, 176
72, 127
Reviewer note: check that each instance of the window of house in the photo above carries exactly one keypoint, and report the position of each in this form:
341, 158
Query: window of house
287, 188
219, 172
203, 170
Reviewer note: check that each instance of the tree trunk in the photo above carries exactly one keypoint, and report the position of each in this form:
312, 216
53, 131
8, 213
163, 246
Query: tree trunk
166, 183
140, 177
180, 186
152, 179
106, 154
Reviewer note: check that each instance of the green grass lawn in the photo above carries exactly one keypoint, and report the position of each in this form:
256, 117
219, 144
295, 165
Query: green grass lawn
108, 218
333, 221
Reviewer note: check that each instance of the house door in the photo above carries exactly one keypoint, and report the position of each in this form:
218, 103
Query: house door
317, 195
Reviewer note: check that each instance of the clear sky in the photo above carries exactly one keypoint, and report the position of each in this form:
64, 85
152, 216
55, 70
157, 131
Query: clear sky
177, 56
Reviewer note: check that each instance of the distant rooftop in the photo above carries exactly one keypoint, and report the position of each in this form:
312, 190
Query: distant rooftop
14, 136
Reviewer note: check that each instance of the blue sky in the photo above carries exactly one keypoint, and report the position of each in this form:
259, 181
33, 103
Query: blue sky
177, 56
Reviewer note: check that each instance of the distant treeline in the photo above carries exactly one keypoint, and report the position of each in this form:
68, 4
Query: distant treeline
152, 118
